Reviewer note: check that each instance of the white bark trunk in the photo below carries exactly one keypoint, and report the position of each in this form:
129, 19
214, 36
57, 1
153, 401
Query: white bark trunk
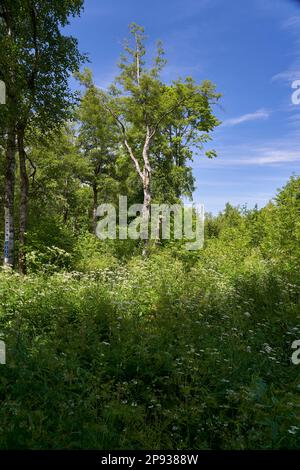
9, 234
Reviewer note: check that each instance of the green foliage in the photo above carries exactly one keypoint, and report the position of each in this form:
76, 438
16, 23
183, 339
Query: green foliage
107, 349
37, 61
280, 227
92, 255
169, 352
178, 118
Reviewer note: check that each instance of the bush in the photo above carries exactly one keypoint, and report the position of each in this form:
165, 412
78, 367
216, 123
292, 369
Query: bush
149, 355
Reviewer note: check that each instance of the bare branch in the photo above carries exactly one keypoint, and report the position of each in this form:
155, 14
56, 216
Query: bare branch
33, 167
123, 128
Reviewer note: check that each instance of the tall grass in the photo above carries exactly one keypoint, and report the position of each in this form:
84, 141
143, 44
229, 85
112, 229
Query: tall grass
155, 354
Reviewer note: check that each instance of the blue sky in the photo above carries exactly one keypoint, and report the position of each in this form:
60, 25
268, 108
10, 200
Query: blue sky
250, 50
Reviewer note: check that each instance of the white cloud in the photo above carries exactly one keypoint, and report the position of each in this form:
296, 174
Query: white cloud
291, 22
288, 75
278, 152
272, 156
259, 114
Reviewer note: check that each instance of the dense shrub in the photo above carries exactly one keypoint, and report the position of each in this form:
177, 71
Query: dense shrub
182, 350
150, 356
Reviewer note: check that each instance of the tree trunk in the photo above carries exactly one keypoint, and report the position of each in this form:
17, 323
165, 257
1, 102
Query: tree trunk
24, 188
8, 259
95, 206
146, 210
146, 176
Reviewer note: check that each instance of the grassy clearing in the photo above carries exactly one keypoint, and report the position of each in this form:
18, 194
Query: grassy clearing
155, 354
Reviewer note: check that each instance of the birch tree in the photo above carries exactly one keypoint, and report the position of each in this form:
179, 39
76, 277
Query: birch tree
153, 116
35, 68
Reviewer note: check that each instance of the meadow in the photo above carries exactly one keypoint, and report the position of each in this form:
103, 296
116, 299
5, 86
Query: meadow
180, 350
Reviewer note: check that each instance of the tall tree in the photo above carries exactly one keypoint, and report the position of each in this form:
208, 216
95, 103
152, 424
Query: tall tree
8, 116
97, 139
35, 68
158, 122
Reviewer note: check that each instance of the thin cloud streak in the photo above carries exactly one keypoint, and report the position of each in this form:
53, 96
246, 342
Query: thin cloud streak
259, 114
271, 157
287, 76
275, 153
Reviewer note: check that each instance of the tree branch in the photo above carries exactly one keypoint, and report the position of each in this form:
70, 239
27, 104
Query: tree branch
129, 149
